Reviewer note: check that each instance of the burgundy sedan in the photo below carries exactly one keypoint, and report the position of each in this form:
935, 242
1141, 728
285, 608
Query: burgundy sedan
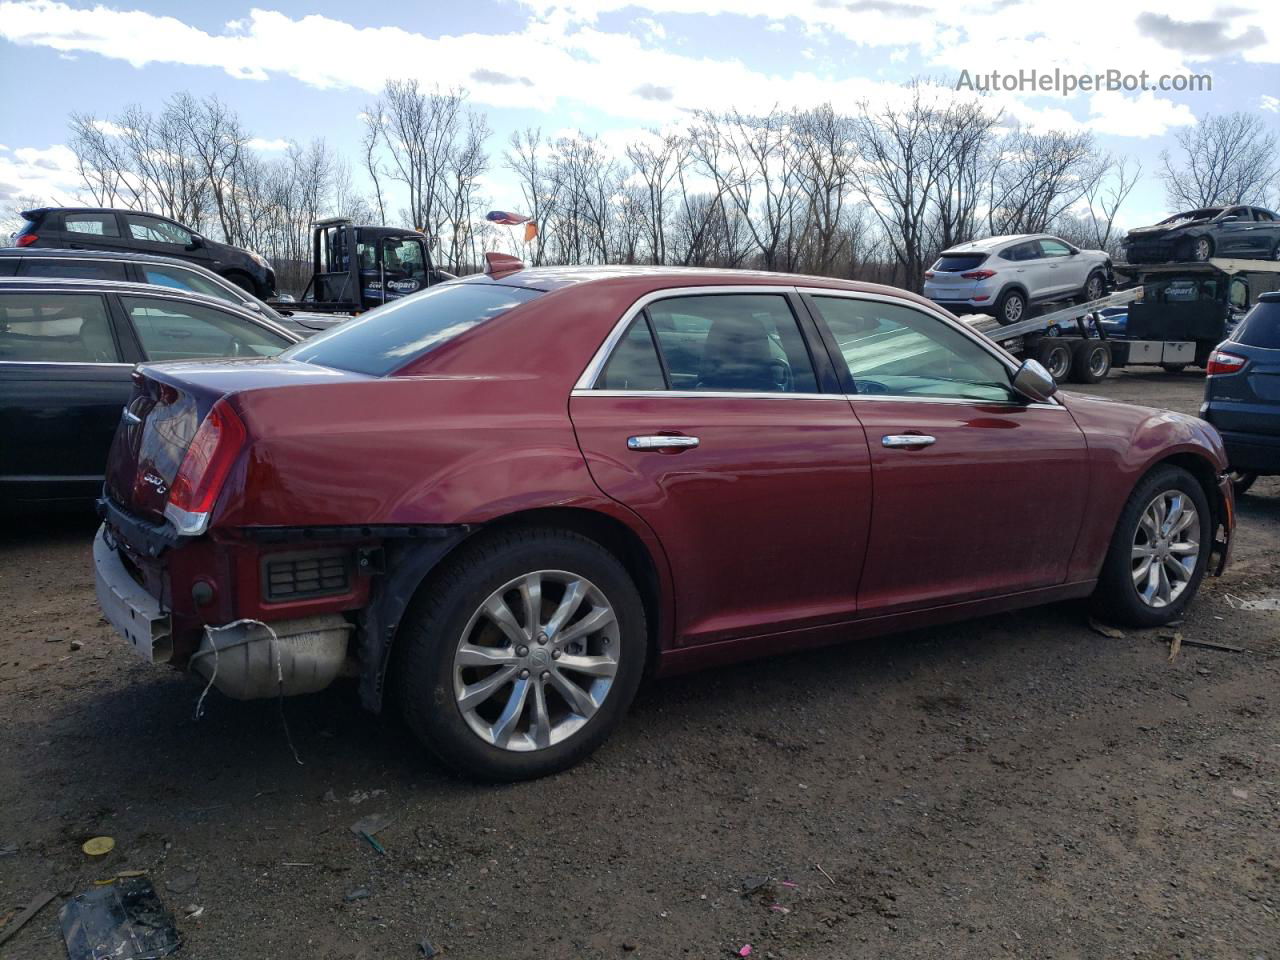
498, 503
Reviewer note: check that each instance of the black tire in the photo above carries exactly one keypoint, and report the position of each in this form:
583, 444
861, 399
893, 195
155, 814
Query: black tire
1242, 480
1055, 356
242, 280
1173, 367
1116, 599
1202, 249
1090, 361
1094, 288
432, 630
1011, 307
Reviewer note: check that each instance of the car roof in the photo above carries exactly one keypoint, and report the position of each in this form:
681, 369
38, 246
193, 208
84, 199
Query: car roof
40, 211
548, 279
65, 284
987, 244
58, 253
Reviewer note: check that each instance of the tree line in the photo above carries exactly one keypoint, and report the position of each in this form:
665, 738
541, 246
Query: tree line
873, 191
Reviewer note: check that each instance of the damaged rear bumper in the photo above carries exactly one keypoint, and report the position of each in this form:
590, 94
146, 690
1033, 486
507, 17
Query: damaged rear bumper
134, 612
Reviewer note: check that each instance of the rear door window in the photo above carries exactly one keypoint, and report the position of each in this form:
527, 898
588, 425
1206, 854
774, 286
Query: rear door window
91, 224
1022, 251
73, 269
1261, 326
55, 328
733, 342
391, 337
176, 330
634, 363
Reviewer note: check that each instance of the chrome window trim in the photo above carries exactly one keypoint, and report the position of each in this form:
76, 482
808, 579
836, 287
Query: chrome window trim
955, 401
596, 365
983, 342
64, 363
722, 394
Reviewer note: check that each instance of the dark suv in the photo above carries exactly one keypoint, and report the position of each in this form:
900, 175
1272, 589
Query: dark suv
1242, 393
90, 228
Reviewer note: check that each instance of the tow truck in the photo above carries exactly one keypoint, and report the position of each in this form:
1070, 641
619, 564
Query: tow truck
1177, 314
356, 268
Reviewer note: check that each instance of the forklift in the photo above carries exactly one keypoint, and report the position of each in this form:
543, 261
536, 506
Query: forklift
356, 268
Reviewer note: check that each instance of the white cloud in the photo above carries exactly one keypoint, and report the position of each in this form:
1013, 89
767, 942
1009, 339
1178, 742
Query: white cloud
1269, 103
567, 63
109, 128
268, 146
48, 174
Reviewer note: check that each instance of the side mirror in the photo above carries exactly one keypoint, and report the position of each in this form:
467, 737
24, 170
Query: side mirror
1034, 382
196, 242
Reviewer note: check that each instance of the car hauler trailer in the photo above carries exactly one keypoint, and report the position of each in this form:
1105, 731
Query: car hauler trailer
356, 268
1177, 314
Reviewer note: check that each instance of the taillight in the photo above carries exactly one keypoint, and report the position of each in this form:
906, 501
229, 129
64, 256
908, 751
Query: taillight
928, 274
978, 274
1221, 362
27, 239
204, 469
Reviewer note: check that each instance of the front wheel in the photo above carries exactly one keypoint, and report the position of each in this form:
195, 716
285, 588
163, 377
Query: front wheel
523, 655
1158, 553
1202, 249
1094, 288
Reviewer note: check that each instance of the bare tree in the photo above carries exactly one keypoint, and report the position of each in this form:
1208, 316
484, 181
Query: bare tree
1104, 197
1038, 177
656, 162
1224, 159
825, 150
528, 157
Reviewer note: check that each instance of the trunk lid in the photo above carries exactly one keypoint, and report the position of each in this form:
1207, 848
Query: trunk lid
168, 404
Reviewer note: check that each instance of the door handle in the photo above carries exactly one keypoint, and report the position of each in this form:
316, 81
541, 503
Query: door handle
662, 442
908, 440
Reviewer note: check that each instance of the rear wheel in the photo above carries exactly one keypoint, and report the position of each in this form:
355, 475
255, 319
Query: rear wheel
1090, 361
1055, 356
1011, 307
523, 656
1173, 367
1158, 553
242, 280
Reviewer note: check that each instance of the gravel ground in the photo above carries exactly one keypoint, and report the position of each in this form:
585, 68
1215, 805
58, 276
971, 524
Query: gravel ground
1017, 785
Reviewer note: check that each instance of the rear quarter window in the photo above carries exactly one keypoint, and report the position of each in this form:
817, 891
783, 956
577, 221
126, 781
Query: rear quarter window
1261, 328
390, 337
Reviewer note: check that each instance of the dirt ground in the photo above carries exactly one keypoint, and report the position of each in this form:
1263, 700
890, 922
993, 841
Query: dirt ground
1015, 786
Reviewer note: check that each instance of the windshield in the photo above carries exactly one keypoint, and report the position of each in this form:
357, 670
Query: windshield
390, 337
1206, 214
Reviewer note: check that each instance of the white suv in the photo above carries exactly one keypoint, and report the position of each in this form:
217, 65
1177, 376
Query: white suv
1002, 276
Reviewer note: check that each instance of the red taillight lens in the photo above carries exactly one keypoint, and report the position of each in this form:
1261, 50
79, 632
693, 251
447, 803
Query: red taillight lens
1222, 362
928, 274
204, 468
27, 239
978, 274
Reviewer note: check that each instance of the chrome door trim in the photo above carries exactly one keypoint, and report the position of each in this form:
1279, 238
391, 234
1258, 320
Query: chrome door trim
593, 369
993, 348
897, 440
963, 401
722, 394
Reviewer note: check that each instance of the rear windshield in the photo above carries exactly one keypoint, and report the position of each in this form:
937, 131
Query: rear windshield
959, 262
1261, 328
390, 337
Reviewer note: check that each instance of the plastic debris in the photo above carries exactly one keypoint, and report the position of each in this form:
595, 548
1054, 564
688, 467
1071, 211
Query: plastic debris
125, 921
359, 893
1105, 630
1239, 603
745, 951
779, 908
751, 884
193, 912
367, 827
428, 951
97, 846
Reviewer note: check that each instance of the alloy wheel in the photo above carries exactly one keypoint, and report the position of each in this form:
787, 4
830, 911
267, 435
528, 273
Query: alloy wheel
1013, 309
1166, 548
1203, 249
1094, 289
536, 660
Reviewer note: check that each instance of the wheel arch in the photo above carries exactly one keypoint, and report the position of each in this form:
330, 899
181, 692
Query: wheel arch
413, 567
1206, 474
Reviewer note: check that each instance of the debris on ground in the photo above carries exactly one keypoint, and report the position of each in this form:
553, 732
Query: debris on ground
367, 827
182, 882
193, 912
8, 849
1105, 630
1239, 603
751, 884
359, 893
427, 950
824, 873
125, 921
77, 645
1175, 643
37, 904
779, 908
745, 951
98, 846
360, 796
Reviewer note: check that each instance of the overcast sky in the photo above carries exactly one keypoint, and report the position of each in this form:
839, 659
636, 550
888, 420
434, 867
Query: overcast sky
297, 70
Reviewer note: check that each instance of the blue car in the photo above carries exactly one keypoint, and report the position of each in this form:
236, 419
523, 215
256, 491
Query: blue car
1242, 393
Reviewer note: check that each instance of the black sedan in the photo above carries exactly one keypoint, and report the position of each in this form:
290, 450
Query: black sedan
67, 353
1250, 233
1242, 393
